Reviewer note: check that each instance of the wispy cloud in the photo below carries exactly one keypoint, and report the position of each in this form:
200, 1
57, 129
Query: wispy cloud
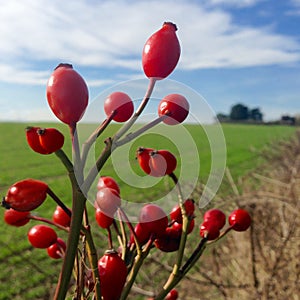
111, 34
234, 3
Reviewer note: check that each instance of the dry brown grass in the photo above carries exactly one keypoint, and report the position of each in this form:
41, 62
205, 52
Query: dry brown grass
262, 263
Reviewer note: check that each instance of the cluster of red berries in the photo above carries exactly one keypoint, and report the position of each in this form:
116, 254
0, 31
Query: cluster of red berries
67, 96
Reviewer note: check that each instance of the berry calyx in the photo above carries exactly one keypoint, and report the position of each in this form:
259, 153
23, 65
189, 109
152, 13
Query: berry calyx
42, 236
161, 52
143, 157
176, 107
162, 162
25, 195
51, 139
121, 103
239, 220
33, 140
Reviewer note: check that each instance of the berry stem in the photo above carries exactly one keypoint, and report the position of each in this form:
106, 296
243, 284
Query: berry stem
59, 202
40, 219
78, 206
89, 142
93, 260
130, 136
194, 257
139, 259
138, 112
76, 153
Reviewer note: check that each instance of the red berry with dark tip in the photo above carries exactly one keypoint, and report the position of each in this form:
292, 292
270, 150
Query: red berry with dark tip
26, 195
161, 52
67, 94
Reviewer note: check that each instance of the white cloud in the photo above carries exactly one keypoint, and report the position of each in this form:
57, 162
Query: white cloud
111, 34
234, 3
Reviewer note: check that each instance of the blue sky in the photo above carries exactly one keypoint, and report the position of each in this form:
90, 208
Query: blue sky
245, 51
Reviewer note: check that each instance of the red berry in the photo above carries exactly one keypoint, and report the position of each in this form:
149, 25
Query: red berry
42, 236
176, 214
108, 201
239, 220
33, 140
162, 162
113, 273
167, 243
16, 218
67, 94
176, 107
141, 234
26, 195
161, 52
209, 230
103, 220
57, 250
61, 217
143, 157
153, 219
121, 103
172, 295
51, 139
215, 216
177, 227
108, 182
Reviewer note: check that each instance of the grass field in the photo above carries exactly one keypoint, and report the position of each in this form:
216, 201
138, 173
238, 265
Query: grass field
27, 273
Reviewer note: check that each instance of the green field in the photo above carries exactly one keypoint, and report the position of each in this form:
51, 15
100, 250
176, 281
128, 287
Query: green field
27, 273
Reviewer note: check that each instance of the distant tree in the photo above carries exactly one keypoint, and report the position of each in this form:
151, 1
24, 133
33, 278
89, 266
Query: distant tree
255, 114
239, 112
222, 117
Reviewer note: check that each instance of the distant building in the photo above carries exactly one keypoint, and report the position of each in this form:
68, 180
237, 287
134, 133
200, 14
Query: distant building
287, 120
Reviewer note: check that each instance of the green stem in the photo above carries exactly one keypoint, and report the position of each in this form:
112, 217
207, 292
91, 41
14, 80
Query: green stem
175, 278
89, 142
78, 207
135, 269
